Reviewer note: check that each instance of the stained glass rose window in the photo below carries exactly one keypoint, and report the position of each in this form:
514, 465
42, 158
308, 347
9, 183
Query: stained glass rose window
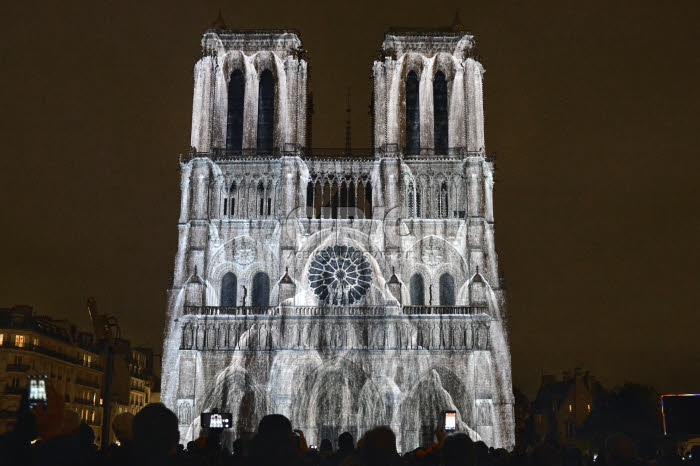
340, 275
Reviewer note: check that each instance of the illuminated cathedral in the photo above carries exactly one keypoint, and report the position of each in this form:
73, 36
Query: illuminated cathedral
343, 289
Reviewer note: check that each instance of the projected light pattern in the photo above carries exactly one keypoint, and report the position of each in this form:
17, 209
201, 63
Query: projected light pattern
343, 289
340, 275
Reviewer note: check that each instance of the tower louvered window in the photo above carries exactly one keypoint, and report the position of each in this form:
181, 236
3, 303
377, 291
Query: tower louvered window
266, 112
412, 114
440, 113
234, 121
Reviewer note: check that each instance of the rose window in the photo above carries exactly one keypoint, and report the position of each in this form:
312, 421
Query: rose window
340, 275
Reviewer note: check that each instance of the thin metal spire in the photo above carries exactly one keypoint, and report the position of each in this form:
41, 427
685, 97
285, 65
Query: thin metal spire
348, 126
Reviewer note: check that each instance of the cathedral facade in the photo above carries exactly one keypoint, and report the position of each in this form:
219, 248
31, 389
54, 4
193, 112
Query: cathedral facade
343, 289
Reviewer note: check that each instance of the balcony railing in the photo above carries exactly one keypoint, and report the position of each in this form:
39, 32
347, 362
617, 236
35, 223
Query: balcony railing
339, 311
445, 310
231, 310
17, 368
332, 310
87, 383
388, 150
53, 354
14, 390
82, 401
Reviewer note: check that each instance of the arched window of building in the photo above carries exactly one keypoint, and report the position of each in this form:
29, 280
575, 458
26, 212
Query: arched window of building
440, 113
310, 199
419, 199
269, 198
412, 114
368, 200
266, 112
417, 289
261, 199
442, 201
261, 290
232, 203
234, 121
447, 290
410, 200
229, 285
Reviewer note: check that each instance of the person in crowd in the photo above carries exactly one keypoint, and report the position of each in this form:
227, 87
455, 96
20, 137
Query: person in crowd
378, 448
457, 450
346, 447
156, 436
275, 444
122, 452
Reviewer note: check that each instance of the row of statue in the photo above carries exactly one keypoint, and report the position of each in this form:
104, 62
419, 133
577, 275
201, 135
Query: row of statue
250, 335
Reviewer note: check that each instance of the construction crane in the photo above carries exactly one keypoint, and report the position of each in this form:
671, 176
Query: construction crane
106, 330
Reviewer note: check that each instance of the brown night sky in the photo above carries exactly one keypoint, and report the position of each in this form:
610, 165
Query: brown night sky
591, 107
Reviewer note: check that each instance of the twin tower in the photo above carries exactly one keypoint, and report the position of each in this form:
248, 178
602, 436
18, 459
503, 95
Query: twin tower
344, 290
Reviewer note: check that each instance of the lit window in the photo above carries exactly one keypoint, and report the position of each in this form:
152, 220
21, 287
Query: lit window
35, 342
19, 341
571, 408
588, 407
2, 338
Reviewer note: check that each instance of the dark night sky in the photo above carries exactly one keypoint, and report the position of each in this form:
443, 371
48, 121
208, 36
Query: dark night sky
591, 107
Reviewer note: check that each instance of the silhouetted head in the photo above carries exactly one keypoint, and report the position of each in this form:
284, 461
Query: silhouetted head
86, 435
345, 442
275, 426
379, 446
274, 442
458, 449
156, 430
325, 446
122, 425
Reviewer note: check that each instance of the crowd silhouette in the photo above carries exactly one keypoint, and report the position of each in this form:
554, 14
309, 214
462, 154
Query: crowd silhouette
151, 438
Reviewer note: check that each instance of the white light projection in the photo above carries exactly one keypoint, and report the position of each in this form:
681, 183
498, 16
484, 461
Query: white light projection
340, 275
344, 292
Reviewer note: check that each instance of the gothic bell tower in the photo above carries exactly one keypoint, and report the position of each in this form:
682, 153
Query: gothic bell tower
342, 289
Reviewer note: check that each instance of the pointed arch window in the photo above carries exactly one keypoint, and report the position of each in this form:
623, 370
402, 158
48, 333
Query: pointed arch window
232, 203
447, 290
442, 200
419, 199
261, 199
410, 200
412, 114
266, 112
368, 200
234, 120
440, 113
261, 290
310, 199
229, 285
417, 289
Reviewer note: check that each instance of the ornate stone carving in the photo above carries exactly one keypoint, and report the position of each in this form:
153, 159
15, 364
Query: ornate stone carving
340, 275
244, 251
433, 253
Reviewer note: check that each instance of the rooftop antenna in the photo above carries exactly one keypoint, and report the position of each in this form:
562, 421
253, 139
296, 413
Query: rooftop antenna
348, 126
457, 24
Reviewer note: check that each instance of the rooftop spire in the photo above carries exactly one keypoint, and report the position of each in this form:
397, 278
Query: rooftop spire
348, 126
219, 24
457, 24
